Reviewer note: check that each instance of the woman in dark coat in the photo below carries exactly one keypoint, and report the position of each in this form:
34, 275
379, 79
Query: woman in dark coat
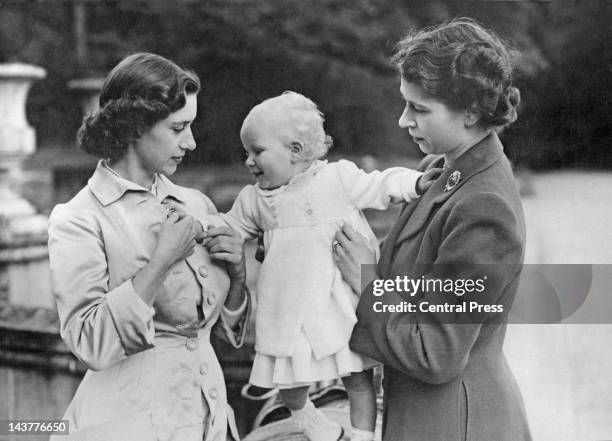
445, 381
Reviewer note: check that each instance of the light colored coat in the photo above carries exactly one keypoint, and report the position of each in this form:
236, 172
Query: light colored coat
153, 374
447, 381
299, 286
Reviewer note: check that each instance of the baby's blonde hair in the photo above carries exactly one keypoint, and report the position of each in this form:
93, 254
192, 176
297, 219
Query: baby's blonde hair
305, 118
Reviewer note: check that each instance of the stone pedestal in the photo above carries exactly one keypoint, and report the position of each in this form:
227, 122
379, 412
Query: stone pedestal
38, 375
24, 269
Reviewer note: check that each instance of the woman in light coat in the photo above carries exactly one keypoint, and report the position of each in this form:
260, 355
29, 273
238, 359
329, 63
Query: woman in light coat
138, 289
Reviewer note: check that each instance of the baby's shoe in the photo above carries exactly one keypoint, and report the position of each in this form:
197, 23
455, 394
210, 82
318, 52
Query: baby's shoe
315, 425
361, 435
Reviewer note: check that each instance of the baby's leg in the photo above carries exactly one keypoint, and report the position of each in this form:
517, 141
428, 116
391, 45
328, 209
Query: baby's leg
295, 398
362, 399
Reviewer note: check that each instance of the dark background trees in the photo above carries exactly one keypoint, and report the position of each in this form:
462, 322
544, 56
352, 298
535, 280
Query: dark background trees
334, 51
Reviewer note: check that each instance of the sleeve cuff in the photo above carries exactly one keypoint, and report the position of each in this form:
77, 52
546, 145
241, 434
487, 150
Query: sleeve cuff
236, 313
410, 189
234, 323
133, 318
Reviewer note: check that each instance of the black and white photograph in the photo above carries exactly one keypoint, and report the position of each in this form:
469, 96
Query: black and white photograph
305, 220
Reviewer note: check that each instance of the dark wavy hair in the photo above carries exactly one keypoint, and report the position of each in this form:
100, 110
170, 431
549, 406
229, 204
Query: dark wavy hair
463, 65
140, 91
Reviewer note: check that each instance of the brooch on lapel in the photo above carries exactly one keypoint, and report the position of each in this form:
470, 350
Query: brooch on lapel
452, 180
168, 208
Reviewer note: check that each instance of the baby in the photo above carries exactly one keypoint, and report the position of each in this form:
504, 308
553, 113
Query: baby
305, 311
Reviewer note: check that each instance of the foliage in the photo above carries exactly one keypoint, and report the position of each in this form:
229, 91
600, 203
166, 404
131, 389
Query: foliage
39, 38
570, 105
334, 51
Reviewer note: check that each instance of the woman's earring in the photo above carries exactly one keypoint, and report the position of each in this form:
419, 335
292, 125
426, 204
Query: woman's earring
471, 118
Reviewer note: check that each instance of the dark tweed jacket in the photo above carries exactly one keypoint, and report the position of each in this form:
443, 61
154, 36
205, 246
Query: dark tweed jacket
446, 381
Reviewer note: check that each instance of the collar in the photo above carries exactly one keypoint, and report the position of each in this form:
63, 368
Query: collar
168, 189
312, 170
108, 188
480, 157
477, 159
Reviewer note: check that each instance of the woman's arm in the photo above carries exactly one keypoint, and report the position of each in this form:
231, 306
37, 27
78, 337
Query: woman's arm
481, 229
225, 244
99, 324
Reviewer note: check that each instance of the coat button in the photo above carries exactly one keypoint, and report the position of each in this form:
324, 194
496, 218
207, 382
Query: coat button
191, 344
309, 210
204, 368
211, 299
213, 392
202, 271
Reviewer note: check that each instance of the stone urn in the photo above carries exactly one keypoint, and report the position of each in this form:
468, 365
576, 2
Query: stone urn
18, 220
24, 273
88, 92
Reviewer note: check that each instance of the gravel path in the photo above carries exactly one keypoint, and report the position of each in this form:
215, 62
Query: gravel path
565, 370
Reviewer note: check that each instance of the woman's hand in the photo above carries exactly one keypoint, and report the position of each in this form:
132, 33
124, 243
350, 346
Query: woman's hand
176, 240
223, 243
350, 251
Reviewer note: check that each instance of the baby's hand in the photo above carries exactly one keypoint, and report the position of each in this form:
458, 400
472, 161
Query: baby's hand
427, 179
200, 232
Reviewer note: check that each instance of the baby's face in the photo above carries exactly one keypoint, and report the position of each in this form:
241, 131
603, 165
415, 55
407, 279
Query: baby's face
268, 146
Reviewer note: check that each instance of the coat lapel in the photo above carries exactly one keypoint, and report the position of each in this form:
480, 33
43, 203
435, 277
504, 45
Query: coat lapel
386, 253
415, 215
